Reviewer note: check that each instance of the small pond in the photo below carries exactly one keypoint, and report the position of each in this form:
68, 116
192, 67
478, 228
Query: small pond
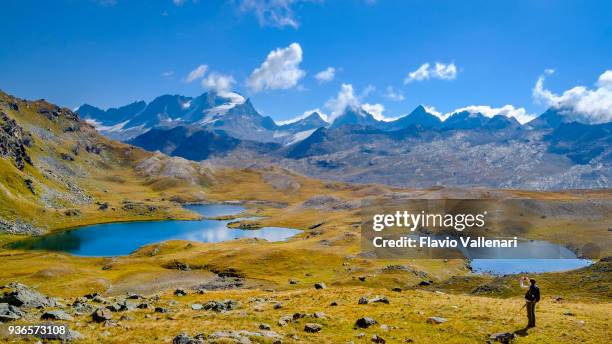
116, 239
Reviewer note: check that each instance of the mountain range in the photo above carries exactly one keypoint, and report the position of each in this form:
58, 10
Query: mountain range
417, 150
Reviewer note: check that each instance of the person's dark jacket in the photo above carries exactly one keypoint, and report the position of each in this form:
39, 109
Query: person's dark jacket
533, 294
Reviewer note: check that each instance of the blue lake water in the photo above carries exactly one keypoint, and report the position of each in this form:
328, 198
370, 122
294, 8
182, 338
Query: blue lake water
517, 266
116, 239
530, 256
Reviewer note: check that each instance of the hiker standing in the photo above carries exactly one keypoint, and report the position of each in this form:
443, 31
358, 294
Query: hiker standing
532, 296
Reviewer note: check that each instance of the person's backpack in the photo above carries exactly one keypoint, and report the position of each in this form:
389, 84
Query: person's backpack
536, 292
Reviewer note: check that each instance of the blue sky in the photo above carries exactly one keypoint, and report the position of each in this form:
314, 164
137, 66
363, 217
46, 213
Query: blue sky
112, 52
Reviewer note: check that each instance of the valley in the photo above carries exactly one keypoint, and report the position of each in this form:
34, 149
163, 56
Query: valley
59, 173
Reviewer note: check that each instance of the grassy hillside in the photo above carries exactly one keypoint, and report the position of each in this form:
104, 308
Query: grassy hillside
77, 177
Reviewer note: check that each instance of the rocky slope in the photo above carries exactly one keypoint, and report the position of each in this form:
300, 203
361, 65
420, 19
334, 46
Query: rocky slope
57, 171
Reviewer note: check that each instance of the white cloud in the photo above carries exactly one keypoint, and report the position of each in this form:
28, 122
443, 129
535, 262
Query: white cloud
178, 2
580, 103
306, 113
219, 82
438, 71
376, 110
366, 91
422, 73
445, 72
280, 70
346, 98
520, 114
326, 75
168, 73
196, 73
432, 110
275, 13
393, 94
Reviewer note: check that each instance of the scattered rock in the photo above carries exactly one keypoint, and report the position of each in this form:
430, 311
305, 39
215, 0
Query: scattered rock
293, 281
56, 315
101, 315
180, 292
125, 305
312, 327
20, 295
568, 313
161, 310
19, 227
436, 320
183, 339
378, 339
9, 312
30, 185
264, 327
318, 315
365, 322
397, 289
333, 303
424, 283
81, 306
362, 278
380, 299
298, 315
502, 337
285, 320
196, 306
133, 296
363, 301
221, 306
143, 305
320, 285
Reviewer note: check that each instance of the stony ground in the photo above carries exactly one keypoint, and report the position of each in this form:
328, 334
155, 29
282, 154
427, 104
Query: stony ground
310, 315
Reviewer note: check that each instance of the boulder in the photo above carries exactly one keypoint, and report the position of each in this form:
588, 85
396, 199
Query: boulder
9, 312
502, 337
312, 327
161, 310
318, 315
196, 306
56, 315
20, 295
319, 285
221, 306
133, 296
365, 322
436, 320
285, 320
101, 315
81, 306
378, 339
185, 339
380, 299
